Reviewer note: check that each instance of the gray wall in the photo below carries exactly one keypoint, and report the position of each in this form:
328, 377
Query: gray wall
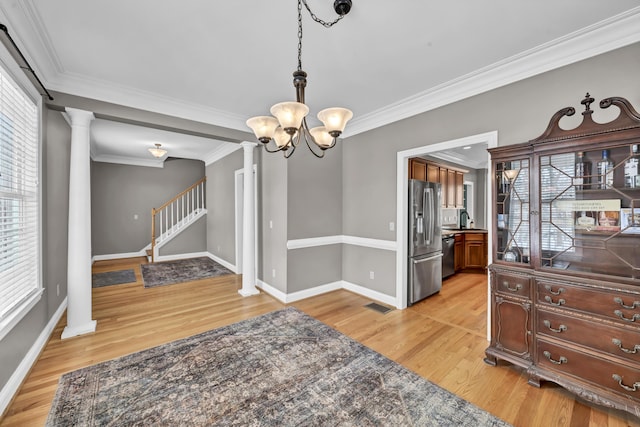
190, 240
55, 209
221, 210
519, 112
118, 192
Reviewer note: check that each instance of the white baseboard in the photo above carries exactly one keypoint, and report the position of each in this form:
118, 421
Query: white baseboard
276, 293
369, 293
174, 257
118, 256
323, 289
223, 262
13, 385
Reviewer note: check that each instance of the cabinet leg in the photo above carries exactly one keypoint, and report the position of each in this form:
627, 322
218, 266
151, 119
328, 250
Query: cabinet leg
533, 380
490, 360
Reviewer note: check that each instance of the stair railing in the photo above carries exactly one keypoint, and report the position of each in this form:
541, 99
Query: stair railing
176, 213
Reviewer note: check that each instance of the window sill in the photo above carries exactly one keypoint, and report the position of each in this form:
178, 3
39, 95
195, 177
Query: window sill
7, 324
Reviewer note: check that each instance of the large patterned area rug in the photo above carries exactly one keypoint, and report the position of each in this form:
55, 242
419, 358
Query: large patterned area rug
180, 271
280, 369
109, 278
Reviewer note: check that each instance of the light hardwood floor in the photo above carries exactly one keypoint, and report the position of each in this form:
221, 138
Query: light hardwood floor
441, 338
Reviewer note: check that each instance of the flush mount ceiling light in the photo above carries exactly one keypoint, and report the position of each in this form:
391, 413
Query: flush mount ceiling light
289, 125
157, 151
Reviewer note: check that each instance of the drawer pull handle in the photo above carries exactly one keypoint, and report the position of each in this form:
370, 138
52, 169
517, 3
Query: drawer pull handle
626, 319
626, 350
618, 300
550, 289
548, 299
635, 386
562, 328
555, 362
516, 289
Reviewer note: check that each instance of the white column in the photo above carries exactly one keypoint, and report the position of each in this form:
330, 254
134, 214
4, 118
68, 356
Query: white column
79, 251
248, 225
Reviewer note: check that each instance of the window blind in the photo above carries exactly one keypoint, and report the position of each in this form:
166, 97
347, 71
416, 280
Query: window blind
19, 199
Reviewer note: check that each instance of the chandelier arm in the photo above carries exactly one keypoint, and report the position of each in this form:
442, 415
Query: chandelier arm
266, 147
288, 153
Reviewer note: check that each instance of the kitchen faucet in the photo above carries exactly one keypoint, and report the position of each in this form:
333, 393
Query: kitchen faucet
464, 216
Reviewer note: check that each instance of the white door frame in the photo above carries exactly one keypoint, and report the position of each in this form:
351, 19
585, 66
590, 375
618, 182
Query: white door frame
402, 199
239, 206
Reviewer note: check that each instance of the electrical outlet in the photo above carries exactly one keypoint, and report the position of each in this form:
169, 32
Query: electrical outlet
218, 248
135, 216
58, 290
372, 275
270, 224
392, 226
273, 273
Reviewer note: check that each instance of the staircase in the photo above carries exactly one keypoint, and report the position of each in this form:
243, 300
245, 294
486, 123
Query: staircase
170, 219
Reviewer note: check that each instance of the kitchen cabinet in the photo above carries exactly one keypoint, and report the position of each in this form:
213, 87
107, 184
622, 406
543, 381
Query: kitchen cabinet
418, 169
475, 250
452, 180
565, 278
458, 257
470, 250
433, 172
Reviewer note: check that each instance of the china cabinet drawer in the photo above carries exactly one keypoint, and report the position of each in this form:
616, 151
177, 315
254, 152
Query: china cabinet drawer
617, 377
617, 341
618, 306
512, 284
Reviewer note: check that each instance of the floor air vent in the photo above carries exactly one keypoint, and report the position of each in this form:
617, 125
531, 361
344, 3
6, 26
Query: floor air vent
379, 308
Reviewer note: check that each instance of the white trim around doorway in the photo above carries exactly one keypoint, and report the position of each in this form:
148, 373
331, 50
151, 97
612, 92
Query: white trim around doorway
402, 186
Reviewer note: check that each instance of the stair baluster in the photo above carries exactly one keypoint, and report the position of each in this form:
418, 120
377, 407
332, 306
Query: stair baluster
176, 214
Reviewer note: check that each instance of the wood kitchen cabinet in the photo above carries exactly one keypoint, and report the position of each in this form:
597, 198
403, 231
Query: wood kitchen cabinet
475, 250
452, 180
458, 252
565, 278
470, 250
418, 169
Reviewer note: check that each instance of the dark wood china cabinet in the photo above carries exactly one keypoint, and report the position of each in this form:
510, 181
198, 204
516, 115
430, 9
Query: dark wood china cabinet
565, 277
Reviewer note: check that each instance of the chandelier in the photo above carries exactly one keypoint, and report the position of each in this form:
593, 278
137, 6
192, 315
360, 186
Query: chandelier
157, 151
289, 126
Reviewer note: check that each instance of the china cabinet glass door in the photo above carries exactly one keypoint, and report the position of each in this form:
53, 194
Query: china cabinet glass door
590, 212
513, 230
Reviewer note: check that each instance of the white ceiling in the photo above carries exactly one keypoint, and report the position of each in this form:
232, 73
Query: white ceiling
222, 62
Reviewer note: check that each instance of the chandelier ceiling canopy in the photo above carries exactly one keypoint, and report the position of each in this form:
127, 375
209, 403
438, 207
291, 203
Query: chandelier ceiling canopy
289, 126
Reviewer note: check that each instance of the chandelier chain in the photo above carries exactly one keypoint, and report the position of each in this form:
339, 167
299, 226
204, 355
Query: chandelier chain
316, 19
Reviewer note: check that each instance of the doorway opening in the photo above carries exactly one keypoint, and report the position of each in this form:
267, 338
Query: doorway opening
402, 186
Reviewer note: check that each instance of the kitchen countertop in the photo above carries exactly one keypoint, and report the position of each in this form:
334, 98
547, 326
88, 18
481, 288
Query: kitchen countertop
452, 231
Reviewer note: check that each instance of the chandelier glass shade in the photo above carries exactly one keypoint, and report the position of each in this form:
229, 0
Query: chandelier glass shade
157, 152
288, 125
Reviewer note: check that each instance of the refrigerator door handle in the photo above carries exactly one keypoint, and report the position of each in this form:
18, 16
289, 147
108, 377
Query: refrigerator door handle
431, 258
428, 203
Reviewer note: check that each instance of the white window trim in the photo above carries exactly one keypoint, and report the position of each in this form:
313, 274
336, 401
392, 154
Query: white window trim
13, 70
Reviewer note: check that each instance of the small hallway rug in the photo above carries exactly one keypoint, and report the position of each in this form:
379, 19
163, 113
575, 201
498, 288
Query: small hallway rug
284, 368
180, 271
108, 278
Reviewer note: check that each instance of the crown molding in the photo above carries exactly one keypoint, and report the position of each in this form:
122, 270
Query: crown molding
221, 152
607, 35
121, 160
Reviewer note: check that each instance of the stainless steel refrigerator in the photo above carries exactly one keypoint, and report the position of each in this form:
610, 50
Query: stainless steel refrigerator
425, 240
